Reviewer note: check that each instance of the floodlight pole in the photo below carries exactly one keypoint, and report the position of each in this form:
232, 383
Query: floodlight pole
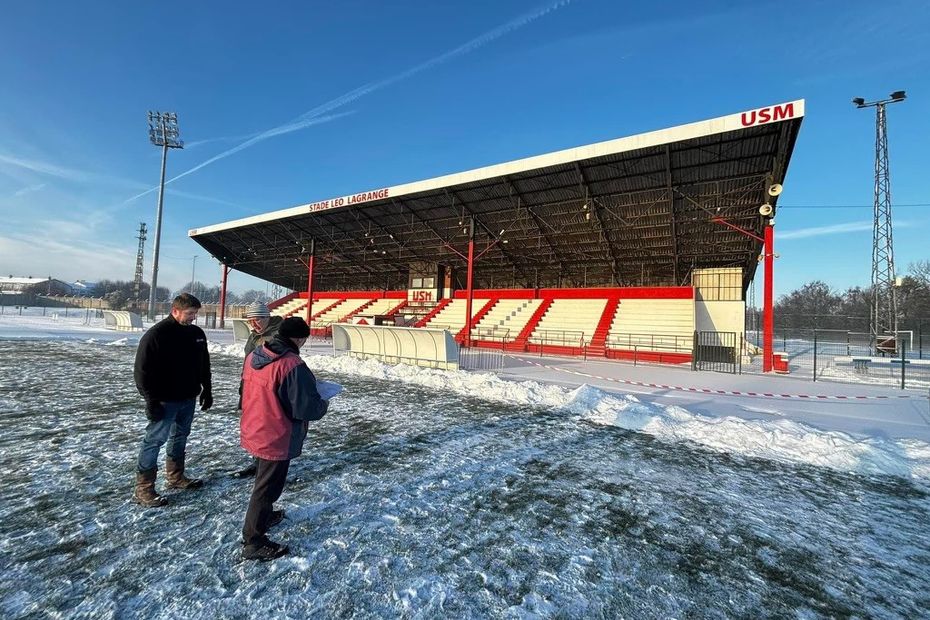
225, 271
163, 132
161, 196
884, 307
193, 271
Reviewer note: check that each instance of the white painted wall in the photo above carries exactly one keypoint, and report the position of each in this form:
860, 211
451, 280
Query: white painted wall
720, 316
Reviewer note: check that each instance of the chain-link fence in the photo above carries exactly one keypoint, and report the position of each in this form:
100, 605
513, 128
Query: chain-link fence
852, 357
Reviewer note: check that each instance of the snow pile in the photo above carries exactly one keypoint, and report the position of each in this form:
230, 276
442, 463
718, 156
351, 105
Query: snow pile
779, 440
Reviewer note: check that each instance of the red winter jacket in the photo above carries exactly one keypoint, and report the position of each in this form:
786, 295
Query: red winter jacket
279, 397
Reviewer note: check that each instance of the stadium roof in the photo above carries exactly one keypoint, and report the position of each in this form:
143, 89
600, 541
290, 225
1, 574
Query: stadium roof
641, 210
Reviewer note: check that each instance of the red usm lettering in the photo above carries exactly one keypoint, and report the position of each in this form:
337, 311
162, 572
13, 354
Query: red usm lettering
422, 296
767, 115
783, 111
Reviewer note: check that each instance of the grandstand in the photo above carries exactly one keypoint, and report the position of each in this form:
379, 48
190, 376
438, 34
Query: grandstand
629, 247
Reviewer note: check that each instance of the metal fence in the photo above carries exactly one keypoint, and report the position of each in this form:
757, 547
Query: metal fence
851, 357
717, 351
481, 358
572, 341
491, 334
647, 342
793, 326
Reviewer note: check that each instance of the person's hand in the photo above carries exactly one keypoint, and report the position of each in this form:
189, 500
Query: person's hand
206, 400
154, 411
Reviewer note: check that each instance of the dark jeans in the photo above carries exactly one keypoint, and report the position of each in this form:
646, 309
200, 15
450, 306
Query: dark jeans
173, 429
269, 482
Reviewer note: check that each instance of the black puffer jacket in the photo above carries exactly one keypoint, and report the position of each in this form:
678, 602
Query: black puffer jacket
172, 362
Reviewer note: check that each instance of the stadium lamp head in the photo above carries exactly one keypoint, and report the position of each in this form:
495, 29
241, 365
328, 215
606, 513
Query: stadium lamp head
898, 95
858, 101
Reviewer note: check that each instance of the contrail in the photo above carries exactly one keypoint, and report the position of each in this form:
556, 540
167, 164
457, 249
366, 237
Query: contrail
274, 131
312, 117
196, 143
461, 50
834, 229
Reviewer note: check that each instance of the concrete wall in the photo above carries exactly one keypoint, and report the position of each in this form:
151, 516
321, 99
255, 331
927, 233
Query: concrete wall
720, 316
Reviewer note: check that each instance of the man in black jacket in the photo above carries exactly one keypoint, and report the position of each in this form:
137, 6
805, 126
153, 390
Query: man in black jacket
172, 368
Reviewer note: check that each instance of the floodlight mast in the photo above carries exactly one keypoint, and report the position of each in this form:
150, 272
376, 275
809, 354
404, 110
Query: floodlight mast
884, 307
163, 132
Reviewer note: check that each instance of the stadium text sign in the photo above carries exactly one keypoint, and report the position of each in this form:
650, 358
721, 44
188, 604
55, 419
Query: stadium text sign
346, 201
419, 295
768, 114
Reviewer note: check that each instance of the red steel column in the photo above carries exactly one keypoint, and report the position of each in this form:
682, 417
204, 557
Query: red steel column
310, 278
768, 315
469, 293
225, 270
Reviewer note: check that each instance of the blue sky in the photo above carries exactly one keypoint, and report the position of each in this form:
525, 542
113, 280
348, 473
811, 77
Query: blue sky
334, 98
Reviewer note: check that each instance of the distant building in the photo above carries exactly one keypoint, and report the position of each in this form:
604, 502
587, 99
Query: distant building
84, 288
16, 285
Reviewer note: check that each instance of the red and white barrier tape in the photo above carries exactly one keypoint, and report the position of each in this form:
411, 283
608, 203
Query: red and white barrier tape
713, 391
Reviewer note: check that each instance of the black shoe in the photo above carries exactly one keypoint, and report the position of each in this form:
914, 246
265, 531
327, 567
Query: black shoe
264, 552
248, 472
276, 517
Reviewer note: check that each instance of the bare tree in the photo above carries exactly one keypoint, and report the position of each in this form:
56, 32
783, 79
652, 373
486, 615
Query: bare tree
920, 271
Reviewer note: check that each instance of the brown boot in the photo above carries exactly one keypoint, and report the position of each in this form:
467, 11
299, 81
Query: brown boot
145, 490
174, 474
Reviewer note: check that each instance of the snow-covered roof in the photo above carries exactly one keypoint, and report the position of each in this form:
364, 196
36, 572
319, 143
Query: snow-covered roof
26, 281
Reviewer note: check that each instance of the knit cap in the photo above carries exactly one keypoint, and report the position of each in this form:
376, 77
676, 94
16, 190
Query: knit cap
294, 327
257, 310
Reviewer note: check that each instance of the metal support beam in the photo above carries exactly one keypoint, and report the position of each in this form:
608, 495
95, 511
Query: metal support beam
469, 290
491, 233
768, 312
310, 266
594, 208
671, 210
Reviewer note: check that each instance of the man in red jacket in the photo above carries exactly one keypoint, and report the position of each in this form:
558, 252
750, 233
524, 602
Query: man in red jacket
279, 398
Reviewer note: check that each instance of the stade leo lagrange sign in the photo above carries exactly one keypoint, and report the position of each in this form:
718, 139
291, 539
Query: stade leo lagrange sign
346, 201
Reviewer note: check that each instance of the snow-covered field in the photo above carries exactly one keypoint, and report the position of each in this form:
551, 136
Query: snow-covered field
430, 493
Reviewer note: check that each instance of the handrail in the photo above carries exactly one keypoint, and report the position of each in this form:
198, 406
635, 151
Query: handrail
491, 334
629, 339
545, 336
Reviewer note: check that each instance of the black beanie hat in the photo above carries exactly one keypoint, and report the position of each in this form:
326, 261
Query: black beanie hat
294, 327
